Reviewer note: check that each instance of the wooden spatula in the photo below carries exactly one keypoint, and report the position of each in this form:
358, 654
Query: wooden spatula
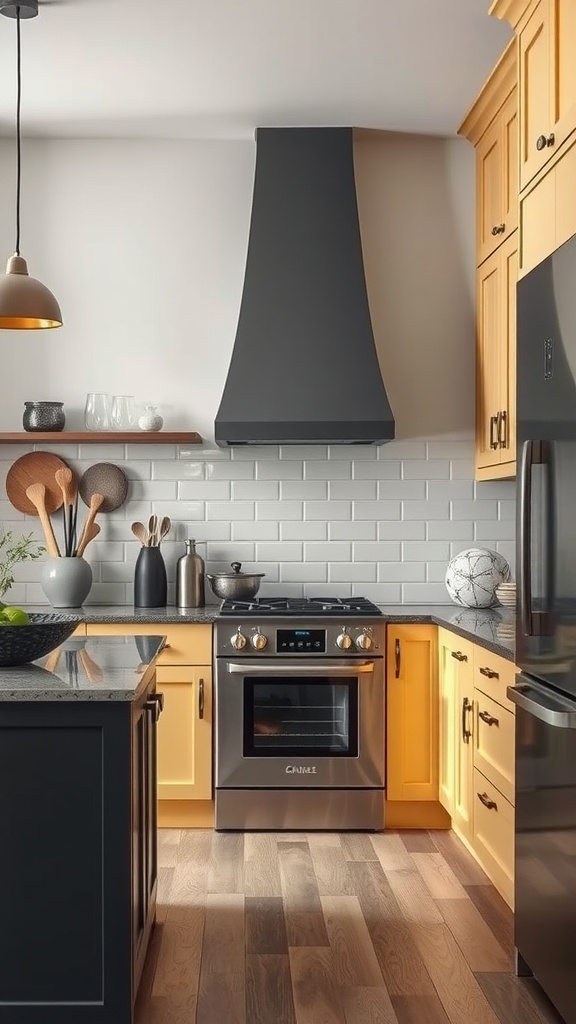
88, 534
95, 503
65, 479
37, 495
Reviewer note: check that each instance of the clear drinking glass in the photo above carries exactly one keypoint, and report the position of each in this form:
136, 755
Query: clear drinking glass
97, 411
123, 412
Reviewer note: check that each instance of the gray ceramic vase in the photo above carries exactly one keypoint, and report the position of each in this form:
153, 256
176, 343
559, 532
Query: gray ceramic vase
66, 581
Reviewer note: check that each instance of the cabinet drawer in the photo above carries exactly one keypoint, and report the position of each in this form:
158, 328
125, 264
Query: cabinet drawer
494, 743
185, 645
493, 674
493, 835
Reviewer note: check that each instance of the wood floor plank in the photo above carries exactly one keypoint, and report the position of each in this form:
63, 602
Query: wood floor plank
265, 925
269, 989
159, 1011
463, 864
261, 870
178, 967
367, 1006
477, 941
306, 927
495, 912
354, 960
315, 999
168, 843
226, 872
331, 871
455, 983
291, 837
297, 876
224, 934
400, 962
323, 839
357, 846
440, 880
511, 1000
420, 1010
195, 846
392, 853
418, 840
221, 999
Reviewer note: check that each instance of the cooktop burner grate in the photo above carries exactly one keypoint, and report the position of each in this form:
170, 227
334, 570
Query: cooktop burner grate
316, 606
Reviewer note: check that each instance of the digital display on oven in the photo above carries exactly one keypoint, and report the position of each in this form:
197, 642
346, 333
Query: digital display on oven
296, 641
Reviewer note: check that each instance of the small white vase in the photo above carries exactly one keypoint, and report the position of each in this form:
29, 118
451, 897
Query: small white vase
150, 419
66, 581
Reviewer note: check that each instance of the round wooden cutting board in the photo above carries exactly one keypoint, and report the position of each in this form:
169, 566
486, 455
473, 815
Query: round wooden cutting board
33, 468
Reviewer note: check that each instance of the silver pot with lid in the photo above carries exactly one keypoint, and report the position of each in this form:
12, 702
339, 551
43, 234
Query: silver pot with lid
235, 585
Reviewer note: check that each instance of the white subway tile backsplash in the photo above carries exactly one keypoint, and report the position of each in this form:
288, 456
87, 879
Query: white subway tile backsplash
319, 520
303, 531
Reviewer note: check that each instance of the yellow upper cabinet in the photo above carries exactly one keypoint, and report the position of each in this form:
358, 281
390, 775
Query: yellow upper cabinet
546, 31
492, 127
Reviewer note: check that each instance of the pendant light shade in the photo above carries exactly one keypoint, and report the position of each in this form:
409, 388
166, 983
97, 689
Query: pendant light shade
25, 303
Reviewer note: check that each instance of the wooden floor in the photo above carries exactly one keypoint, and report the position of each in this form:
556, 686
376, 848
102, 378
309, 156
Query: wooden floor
294, 928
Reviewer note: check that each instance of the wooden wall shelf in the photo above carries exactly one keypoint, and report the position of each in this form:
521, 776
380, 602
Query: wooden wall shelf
102, 437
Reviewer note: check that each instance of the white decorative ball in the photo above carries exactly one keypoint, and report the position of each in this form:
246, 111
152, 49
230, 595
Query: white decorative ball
473, 575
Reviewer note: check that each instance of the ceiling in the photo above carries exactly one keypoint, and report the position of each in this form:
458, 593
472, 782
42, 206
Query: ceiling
219, 68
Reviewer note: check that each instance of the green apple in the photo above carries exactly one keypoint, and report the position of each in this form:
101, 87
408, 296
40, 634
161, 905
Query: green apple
10, 616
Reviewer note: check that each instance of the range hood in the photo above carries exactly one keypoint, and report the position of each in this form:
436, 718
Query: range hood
304, 368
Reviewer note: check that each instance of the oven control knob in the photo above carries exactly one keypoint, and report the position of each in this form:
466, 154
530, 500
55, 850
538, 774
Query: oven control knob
365, 640
258, 640
344, 640
238, 641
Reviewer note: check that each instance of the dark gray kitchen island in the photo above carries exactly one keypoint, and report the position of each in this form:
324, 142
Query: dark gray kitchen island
78, 862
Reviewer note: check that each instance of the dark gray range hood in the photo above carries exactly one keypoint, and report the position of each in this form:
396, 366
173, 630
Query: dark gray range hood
304, 368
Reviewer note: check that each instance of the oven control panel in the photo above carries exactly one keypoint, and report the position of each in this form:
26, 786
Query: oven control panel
300, 641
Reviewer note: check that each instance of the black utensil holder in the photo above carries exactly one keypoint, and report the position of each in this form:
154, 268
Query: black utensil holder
150, 581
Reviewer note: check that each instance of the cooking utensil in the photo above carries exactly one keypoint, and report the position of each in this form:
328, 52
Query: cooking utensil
152, 528
65, 480
165, 526
140, 532
33, 468
36, 493
106, 479
239, 586
96, 502
88, 534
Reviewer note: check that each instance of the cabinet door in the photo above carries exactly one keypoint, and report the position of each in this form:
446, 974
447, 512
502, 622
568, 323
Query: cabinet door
495, 363
185, 734
462, 809
455, 657
412, 713
535, 78
497, 180
563, 79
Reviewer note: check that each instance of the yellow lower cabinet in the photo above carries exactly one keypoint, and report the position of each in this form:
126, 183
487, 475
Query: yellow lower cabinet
494, 743
185, 734
456, 724
493, 837
412, 713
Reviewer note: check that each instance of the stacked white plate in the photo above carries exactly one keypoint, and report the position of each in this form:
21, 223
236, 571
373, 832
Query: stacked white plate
506, 594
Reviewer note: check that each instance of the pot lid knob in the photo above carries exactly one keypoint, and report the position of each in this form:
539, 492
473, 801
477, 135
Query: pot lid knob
236, 566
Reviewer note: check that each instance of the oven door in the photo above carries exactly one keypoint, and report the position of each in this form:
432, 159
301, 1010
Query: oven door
313, 724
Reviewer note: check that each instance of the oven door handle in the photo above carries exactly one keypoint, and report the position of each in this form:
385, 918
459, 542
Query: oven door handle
341, 668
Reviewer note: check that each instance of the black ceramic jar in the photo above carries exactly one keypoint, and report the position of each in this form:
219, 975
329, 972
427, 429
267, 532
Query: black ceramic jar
46, 416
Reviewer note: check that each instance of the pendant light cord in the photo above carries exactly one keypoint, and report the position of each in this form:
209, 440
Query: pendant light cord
18, 138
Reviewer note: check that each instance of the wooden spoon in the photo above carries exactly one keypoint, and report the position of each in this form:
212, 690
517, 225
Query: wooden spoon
37, 495
65, 479
95, 503
89, 532
164, 527
140, 531
152, 531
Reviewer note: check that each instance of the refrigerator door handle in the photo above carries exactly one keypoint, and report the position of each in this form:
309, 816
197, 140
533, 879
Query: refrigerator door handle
532, 623
543, 704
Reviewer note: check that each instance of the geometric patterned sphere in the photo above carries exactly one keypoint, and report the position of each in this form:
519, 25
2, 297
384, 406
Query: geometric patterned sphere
473, 575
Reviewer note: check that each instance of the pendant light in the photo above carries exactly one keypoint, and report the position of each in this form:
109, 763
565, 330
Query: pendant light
25, 303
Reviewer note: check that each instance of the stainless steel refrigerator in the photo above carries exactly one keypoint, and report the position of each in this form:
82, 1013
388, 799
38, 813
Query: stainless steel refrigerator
545, 691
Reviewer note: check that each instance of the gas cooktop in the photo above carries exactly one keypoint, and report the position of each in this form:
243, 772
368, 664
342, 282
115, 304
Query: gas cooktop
337, 606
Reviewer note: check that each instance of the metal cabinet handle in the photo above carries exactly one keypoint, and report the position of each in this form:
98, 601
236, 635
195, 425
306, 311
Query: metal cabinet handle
503, 429
397, 657
488, 718
466, 706
164, 647
498, 229
485, 799
545, 141
201, 698
155, 704
459, 656
493, 427
489, 673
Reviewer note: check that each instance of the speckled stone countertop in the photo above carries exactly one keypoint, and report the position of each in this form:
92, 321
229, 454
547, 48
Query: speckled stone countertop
99, 668
492, 628
109, 614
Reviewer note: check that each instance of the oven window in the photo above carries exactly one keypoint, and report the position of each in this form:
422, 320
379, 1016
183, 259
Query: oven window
287, 717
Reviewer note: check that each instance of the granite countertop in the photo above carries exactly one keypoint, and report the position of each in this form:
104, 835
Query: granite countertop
110, 613
492, 628
98, 668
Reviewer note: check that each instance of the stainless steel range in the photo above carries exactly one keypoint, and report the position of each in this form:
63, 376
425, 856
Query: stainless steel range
300, 714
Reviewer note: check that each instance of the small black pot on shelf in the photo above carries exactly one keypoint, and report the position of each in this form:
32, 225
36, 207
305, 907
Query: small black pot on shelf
150, 581
43, 416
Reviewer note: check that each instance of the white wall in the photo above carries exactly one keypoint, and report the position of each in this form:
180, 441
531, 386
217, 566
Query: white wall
144, 244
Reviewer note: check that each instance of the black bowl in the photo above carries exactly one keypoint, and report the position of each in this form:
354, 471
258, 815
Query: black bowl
45, 631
